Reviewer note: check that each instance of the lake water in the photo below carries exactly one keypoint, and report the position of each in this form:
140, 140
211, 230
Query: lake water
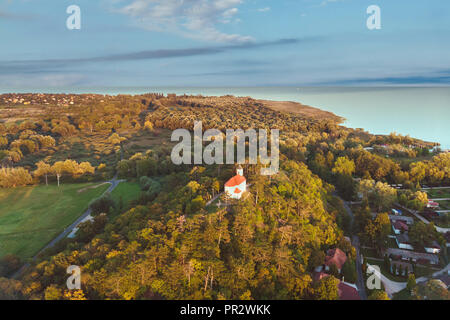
422, 113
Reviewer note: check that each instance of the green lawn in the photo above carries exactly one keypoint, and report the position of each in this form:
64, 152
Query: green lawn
444, 205
129, 191
30, 217
386, 272
438, 193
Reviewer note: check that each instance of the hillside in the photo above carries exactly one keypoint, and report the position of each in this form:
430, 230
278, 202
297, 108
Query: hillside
155, 237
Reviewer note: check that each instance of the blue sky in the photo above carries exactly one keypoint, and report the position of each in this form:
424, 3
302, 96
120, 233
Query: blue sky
224, 43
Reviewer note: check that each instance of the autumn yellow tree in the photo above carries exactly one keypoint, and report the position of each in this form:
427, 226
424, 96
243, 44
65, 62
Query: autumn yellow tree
43, 169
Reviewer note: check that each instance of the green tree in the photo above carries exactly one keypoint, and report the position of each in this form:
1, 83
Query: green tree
344, 166
349, 271
327, 289
378, 295
411, 283
52, 292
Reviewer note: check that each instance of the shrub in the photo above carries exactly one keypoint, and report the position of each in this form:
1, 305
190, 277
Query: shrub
102, 204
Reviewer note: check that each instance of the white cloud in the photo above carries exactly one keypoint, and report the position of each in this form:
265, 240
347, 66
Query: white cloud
264, 9
197, 19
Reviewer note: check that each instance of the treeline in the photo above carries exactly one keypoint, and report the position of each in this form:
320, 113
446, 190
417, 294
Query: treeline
15, 177
264, 247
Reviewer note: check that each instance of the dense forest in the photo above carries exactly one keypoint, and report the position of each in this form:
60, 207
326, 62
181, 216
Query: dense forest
167, 244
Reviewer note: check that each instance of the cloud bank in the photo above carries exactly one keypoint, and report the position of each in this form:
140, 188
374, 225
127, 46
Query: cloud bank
195, 19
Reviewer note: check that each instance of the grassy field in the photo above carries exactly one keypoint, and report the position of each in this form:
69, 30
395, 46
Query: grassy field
386, 272
444, 204
145, 141
32, 216
129, 191
438, 193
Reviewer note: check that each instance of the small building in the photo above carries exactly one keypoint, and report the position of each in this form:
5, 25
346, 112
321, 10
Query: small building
347, 291
317, 276
432, 204
412, 256
336, 257
403, 241
405, 219
237, 185
399, 227
433, 248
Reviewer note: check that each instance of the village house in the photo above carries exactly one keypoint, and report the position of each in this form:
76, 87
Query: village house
336, 257
432, 204
399, 227
412, 256
434, 247
403, 241
346, 291
407, 220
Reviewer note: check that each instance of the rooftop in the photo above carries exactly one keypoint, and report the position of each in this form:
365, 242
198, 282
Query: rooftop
347, 292
413, 255
336, 257
235, 181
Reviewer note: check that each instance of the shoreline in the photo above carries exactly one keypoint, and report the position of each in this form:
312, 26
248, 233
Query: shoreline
420, 113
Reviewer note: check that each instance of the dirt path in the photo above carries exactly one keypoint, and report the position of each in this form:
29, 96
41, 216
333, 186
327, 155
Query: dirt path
93, 187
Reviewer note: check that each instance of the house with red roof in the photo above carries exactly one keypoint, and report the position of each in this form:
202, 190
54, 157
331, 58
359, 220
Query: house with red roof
347, 291
432, 204
399, 227
237, 185
317, 276
336, 257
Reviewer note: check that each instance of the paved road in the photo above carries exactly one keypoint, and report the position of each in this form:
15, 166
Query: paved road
355, 242
418, 216
436, 188
390, 286
113, 184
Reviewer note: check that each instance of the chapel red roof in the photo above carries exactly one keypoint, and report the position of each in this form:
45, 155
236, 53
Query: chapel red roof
235, 181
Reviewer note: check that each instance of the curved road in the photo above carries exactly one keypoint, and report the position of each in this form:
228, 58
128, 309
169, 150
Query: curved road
355, 241
390, 286
418, 216
114, 183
